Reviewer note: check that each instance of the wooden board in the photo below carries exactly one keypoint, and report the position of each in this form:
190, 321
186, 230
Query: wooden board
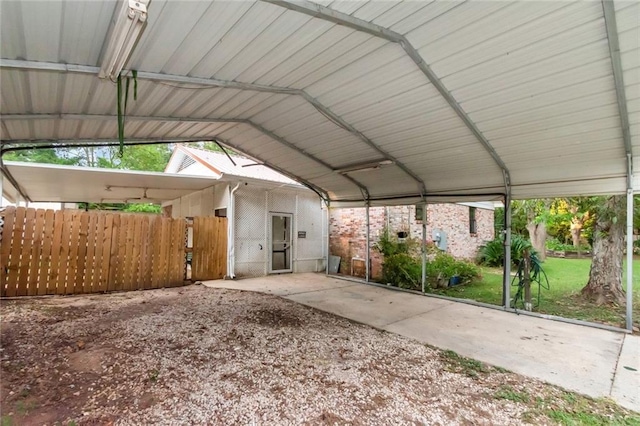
72, 252
209, 248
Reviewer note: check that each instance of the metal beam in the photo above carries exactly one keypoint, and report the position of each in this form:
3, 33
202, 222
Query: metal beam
506, 274
320, 191
109, 143
288, 144
211, 82
256, 126
611, 25
328, 14
342, 123
629, 289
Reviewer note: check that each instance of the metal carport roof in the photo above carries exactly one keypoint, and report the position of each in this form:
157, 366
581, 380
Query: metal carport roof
464, 100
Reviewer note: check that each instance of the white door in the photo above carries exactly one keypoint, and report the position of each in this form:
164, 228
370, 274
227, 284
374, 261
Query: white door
280, 244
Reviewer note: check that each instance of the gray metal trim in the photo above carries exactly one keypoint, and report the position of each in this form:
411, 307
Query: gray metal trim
288, 144
256, 126
320, 191
328, 14
629, 289
325, 111
611, 25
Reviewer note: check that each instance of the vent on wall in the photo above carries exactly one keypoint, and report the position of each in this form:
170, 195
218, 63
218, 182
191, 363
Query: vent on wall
186, 162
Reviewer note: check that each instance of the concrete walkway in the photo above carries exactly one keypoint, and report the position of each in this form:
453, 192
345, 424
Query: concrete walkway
591, 361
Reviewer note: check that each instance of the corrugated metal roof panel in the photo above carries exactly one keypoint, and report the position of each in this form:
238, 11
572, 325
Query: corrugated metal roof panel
535, 78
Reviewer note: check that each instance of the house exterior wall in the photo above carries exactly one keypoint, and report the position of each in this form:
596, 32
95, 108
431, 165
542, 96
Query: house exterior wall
348, 230
200, 203
252, 229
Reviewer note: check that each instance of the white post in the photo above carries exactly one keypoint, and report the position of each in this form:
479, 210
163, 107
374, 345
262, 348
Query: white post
424, 247
231, 233
328, 236
630, 259
366, 263
1, 189
506, 279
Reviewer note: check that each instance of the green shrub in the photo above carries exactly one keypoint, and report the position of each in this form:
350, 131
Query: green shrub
402, 270
402, 265
389, 244
444, 266
555, 245
492, 254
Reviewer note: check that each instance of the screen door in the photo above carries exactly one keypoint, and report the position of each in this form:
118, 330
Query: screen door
280, 256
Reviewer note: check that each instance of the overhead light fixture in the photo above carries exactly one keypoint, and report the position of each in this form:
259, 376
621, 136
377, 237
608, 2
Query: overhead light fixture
129, 24
363, 167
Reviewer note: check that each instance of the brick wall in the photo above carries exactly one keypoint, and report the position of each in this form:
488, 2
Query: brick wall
348, 230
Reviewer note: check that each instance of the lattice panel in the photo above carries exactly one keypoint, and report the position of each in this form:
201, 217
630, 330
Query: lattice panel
282, 201
251, 248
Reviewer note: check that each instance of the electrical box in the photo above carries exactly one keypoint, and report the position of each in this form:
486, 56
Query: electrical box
419, 211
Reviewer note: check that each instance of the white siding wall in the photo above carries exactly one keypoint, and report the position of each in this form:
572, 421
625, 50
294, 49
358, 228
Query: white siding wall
201, 203
252, 229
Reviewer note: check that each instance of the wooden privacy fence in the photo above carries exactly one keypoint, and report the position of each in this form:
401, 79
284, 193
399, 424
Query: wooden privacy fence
209, 260
72, 251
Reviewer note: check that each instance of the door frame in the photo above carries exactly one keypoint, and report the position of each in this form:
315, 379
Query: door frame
270, 243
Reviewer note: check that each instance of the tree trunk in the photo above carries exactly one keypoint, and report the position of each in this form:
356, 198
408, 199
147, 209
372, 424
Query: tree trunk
576, 230
538, 237
605, 277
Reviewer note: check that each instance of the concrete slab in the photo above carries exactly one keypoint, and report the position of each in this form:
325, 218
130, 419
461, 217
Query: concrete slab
575, 357
370, 305
282, 285
626, 382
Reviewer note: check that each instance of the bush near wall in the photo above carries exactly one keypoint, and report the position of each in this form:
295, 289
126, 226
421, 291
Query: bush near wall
402, 265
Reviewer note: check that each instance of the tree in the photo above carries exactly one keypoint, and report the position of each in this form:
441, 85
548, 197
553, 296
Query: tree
536, 213
151, 158
47, 155
605, 276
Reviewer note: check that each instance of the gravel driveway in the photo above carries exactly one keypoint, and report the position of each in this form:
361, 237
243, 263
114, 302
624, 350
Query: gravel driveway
196, 355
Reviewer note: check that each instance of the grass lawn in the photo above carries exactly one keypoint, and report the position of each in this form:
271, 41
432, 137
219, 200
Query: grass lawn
566, 279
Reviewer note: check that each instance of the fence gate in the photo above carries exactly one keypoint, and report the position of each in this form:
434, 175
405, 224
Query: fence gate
73, 251
209, 261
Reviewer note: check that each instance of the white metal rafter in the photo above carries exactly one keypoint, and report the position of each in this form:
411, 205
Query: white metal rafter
261, 129
211, 82
611, 24
321, 12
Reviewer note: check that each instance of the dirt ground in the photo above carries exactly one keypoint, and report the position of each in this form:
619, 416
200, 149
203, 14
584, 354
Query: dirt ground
196, 355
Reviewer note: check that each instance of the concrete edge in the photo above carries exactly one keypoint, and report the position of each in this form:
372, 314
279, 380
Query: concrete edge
489, 306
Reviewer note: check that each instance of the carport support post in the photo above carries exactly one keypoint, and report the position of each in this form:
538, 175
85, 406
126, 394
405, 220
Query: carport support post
630, 259
368, 248
328, 204
424, 247
1, 188
506, 279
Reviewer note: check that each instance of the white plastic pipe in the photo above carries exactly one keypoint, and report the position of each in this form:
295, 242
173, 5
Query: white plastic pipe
231, 233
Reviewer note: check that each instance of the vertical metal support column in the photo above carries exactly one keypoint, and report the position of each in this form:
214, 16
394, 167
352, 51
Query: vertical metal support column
424, 247
630, 259
367, 261
1, 189
506, 278
328, 236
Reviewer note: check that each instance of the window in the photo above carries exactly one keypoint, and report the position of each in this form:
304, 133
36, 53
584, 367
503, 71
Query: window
473, 224
220, 212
